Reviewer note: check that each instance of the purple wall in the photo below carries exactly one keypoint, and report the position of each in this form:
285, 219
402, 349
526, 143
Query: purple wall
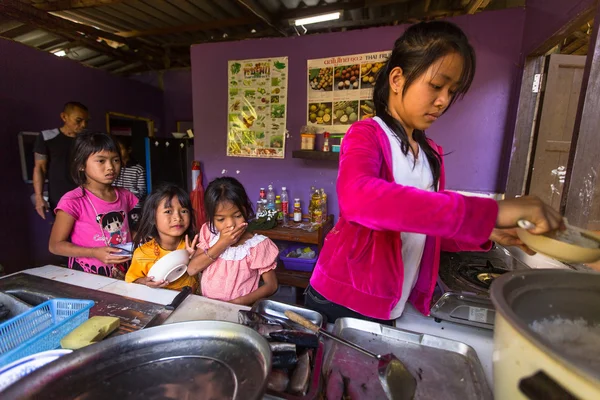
33, 88
177, 88
177, 98
545, 17
475, 130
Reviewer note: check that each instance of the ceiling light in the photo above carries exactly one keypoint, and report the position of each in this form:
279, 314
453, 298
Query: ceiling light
318, 18
59, 53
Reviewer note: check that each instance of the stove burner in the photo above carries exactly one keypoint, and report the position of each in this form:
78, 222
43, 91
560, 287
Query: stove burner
480, 276
487, 277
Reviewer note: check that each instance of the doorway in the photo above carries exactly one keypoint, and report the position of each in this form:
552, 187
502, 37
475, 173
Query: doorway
559, 101
546, 155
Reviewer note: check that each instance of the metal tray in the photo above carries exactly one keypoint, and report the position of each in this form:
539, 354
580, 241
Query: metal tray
315, 381
277, 309
444, 369
200, 359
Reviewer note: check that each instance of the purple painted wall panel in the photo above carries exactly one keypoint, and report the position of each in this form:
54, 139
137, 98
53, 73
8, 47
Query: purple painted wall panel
545, 17
177, 98
475, 130
33, 88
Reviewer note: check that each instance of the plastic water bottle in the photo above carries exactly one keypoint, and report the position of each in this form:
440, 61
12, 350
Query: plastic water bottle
270, 198
285, 204
261, 197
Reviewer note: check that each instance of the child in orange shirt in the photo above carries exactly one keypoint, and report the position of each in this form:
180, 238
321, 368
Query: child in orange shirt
166, 225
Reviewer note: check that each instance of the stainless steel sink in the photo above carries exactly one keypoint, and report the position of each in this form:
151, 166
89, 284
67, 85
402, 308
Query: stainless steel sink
33, 290
28, 296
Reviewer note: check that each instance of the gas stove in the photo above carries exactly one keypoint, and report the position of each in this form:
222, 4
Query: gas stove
462, 292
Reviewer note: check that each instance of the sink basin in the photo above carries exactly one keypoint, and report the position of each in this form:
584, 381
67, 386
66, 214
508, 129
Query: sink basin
33, 290
33, 298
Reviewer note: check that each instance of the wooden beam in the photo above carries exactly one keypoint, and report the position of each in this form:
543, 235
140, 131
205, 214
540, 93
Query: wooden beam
581, 195
61, 5
316, 10
204, 26
561, 34
88, 36
523, 138
473, 6
254, 8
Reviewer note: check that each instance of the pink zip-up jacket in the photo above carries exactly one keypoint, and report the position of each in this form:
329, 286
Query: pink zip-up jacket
360, 266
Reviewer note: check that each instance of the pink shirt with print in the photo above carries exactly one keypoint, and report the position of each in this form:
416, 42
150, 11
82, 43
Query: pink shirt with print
98, 223
238, 269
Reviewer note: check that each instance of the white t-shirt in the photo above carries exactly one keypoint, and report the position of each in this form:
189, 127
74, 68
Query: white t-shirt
416, 173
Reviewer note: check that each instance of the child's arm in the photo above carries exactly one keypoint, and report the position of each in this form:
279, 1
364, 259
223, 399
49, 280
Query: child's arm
136, 274
59, 243
267, 289
202, 259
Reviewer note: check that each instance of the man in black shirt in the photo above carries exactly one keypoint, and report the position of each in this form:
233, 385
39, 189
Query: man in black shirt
52, 154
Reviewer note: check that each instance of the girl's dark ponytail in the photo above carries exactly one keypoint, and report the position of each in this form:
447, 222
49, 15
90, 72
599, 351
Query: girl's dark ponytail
414, 52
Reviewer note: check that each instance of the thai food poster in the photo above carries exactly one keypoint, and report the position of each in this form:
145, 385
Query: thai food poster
257, 107
340, 89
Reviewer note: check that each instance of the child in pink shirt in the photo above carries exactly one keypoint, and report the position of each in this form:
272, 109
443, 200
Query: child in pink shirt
91, 220
232, 261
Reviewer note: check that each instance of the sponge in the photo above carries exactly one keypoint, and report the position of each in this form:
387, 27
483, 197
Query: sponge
91, 331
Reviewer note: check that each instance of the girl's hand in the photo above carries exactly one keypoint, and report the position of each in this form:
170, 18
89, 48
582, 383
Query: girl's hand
191, 247
529, 208
230, 236
508, 237
107, 256
150, 282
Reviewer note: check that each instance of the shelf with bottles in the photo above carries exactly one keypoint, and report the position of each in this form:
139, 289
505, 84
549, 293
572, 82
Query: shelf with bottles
316, 155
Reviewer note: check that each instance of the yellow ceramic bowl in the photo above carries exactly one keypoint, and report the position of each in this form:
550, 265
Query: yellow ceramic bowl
560, 250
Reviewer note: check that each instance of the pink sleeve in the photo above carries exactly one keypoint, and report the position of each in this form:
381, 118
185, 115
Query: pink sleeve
369, 200
264, 256
204, 237
69, 204
454, 246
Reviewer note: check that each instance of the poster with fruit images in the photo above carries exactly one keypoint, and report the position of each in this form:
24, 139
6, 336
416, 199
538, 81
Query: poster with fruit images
257, 107
340, 90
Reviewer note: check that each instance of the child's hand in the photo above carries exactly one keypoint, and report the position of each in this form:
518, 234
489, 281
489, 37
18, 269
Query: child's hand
107, 256
232, 235
150, 282
191, 247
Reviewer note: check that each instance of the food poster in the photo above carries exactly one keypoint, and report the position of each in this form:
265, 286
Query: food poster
340, 90
257, 107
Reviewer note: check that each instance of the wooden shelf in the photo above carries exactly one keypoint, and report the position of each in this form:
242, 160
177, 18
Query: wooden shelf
316, 155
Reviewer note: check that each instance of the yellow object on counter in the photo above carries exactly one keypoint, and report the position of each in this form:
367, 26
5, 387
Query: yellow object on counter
91, 331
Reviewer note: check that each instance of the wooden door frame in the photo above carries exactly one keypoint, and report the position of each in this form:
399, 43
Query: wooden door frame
529, 105
149, 121
581, 179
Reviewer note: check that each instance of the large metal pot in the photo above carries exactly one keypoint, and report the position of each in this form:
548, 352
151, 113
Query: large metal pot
195, 360
528, 365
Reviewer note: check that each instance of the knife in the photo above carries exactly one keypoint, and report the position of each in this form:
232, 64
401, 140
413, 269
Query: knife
160, 318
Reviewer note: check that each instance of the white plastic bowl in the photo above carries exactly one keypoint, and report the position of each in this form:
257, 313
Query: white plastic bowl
171, 267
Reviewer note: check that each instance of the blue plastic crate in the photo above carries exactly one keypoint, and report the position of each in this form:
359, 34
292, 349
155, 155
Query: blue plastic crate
41, 328
298, 264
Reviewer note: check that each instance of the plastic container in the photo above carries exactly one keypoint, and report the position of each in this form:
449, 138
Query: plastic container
335, 148
298, 264
308, 141
41, 328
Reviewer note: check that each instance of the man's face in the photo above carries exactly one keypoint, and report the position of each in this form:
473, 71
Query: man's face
75, 120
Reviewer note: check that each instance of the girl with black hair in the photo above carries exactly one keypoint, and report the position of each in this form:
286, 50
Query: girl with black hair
395, 214
91, 220
166, 225
232, 260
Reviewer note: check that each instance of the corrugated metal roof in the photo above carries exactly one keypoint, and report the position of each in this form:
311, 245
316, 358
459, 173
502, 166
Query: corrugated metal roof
125, 36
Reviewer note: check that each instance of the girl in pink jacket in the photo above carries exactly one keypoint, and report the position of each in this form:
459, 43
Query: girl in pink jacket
395, 215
